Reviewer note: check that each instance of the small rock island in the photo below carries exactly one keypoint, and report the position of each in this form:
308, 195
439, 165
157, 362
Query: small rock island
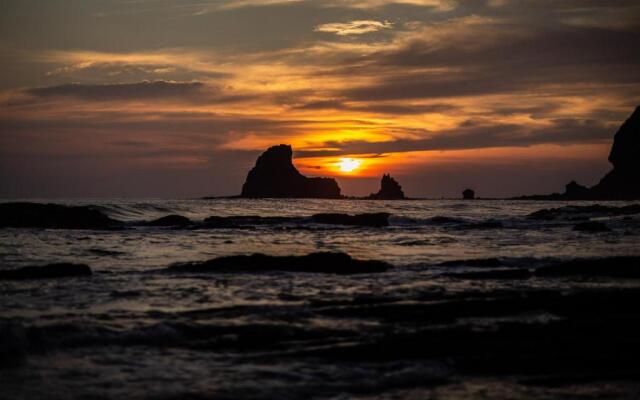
390, 189
274, 175
468, 194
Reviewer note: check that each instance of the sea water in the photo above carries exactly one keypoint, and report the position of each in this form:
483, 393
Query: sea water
133, 331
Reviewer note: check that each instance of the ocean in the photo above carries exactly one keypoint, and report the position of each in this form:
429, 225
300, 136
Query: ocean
482, 299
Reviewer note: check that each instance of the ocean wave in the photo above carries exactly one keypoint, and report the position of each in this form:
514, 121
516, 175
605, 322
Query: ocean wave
548, 267
90, 217
436, 220
580, 213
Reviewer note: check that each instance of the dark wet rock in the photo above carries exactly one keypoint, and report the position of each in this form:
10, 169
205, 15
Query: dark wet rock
497, 274
483, 225
614, 267
474, 262
274, 175
370, 219
250, 221
441, 219
53, 216
331, 263
591, 226
105, 252
170, 220
245, 221
584, 212
589, 333
468, 194
14, 344
59, 270
390, 189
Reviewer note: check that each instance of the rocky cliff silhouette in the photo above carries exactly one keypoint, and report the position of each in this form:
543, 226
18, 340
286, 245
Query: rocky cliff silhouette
623, 182
274, 175
390, 189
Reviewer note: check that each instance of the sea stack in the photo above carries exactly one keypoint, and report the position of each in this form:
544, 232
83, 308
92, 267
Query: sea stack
623, 182
390, 189
468, 194
274, 175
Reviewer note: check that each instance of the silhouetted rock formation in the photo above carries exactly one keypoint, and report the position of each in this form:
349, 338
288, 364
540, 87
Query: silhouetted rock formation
623, 182
574, 190
274, 175
390, 189
468, 194
60, 270
371, 219
330, 263
53, 216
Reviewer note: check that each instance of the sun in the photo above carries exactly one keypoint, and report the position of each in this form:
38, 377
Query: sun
349, 164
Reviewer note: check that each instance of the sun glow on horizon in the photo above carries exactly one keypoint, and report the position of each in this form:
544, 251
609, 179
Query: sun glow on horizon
349, 164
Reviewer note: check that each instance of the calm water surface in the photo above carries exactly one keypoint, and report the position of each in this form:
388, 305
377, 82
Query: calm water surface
133, 331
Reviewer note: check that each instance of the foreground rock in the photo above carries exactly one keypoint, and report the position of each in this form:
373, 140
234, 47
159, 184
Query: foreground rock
60, 270
614, 267
390, 189
274, 175
244, 221
250, 221
53, 216
498, 274
330, 263
591, 226
623, 182
171, 221
371, 219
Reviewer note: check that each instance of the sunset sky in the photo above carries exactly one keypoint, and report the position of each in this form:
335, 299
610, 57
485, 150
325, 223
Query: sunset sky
177, 98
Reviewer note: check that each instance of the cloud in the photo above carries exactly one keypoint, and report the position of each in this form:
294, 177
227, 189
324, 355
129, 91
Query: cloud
442, 5
245, 74
120, 91
479, 135
357, 27
377, 108
480, 56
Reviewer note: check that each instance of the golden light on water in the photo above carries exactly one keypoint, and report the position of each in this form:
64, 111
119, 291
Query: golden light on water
349, 164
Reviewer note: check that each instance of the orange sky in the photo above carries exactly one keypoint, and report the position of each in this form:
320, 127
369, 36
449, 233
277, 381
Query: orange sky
415, 88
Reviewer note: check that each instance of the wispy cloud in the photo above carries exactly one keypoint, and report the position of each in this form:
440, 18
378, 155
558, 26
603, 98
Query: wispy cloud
442, 5
357, 27
120, 91
449, 75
